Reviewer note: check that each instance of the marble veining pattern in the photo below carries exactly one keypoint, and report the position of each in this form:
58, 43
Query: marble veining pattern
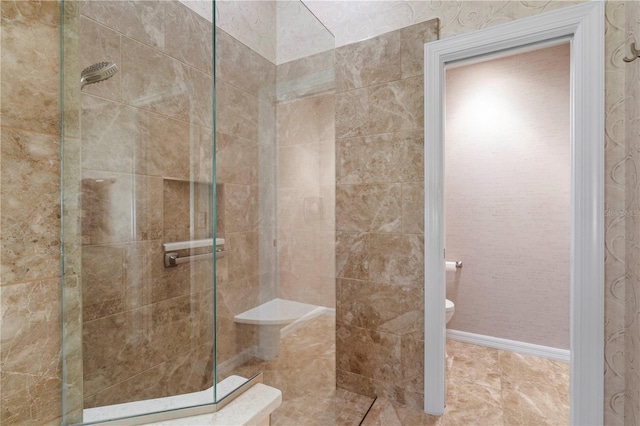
488, 386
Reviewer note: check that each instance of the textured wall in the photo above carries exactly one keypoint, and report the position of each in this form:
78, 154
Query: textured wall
632, 314
507, 196
379, 223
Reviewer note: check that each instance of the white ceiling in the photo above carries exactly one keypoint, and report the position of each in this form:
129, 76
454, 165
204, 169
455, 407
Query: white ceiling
284, 30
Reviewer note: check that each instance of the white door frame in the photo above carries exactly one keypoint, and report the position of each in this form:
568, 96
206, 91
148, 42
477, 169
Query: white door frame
583, 26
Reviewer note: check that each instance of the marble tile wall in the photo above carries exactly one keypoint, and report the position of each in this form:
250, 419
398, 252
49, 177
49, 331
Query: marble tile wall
245, 165
379, 229
306, 180
468, 16
30, 370
146, 172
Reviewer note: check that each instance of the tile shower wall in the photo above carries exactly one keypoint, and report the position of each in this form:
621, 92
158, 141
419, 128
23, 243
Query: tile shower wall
29, 105
379, 225
306, 179
245, 159
507, 196
30, 214
469, 16
146, 179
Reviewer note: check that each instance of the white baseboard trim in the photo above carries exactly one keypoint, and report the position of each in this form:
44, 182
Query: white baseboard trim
509, 345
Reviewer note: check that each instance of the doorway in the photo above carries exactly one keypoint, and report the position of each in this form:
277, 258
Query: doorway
582, 27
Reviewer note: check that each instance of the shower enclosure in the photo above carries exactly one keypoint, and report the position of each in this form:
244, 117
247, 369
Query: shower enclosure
198, 193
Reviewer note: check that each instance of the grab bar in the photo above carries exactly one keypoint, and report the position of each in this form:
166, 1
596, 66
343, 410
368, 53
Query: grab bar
192, 244
172, 259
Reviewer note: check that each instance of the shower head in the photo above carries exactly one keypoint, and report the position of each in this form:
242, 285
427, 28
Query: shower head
97, 73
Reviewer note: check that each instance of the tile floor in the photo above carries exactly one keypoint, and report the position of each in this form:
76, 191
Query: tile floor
305, 373
485, 386
489, 387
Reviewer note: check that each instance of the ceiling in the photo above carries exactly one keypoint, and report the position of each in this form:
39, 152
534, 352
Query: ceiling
298, 34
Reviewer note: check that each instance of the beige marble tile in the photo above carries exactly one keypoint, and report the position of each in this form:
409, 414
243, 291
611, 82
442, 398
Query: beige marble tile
352, 255
307, 288
477, 364
111, 135
396, 258
368, 208
167, 283
396, 106
100, 44
29, 356
298, 166
532, 369
241, 208
385, 412
107, 207
30, 35
103, 287
243, 254
154, 81
138, 258
350, 407
370, 353
236, 112
352, 113
199, 89
390, 308
468, 401
369, 62
387, 158
183, 27
306, 120
148, 207
168, 145
30, 222
243, 68
412, 362
72, 346
413, 208
142, 21
202, 158
412, 40
533, 403
176, 210
236, 160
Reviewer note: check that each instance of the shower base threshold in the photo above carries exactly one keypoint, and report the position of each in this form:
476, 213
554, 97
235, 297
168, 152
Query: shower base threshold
137, 408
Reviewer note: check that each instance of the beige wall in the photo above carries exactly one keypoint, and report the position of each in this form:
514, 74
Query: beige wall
507, 196
632, 223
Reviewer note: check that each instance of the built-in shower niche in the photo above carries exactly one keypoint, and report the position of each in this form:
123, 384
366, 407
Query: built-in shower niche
186, 210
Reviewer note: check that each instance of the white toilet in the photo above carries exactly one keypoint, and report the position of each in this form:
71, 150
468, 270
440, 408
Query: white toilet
450, 308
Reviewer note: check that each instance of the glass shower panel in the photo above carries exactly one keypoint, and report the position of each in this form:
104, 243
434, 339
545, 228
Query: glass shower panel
275, 108
139, 206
